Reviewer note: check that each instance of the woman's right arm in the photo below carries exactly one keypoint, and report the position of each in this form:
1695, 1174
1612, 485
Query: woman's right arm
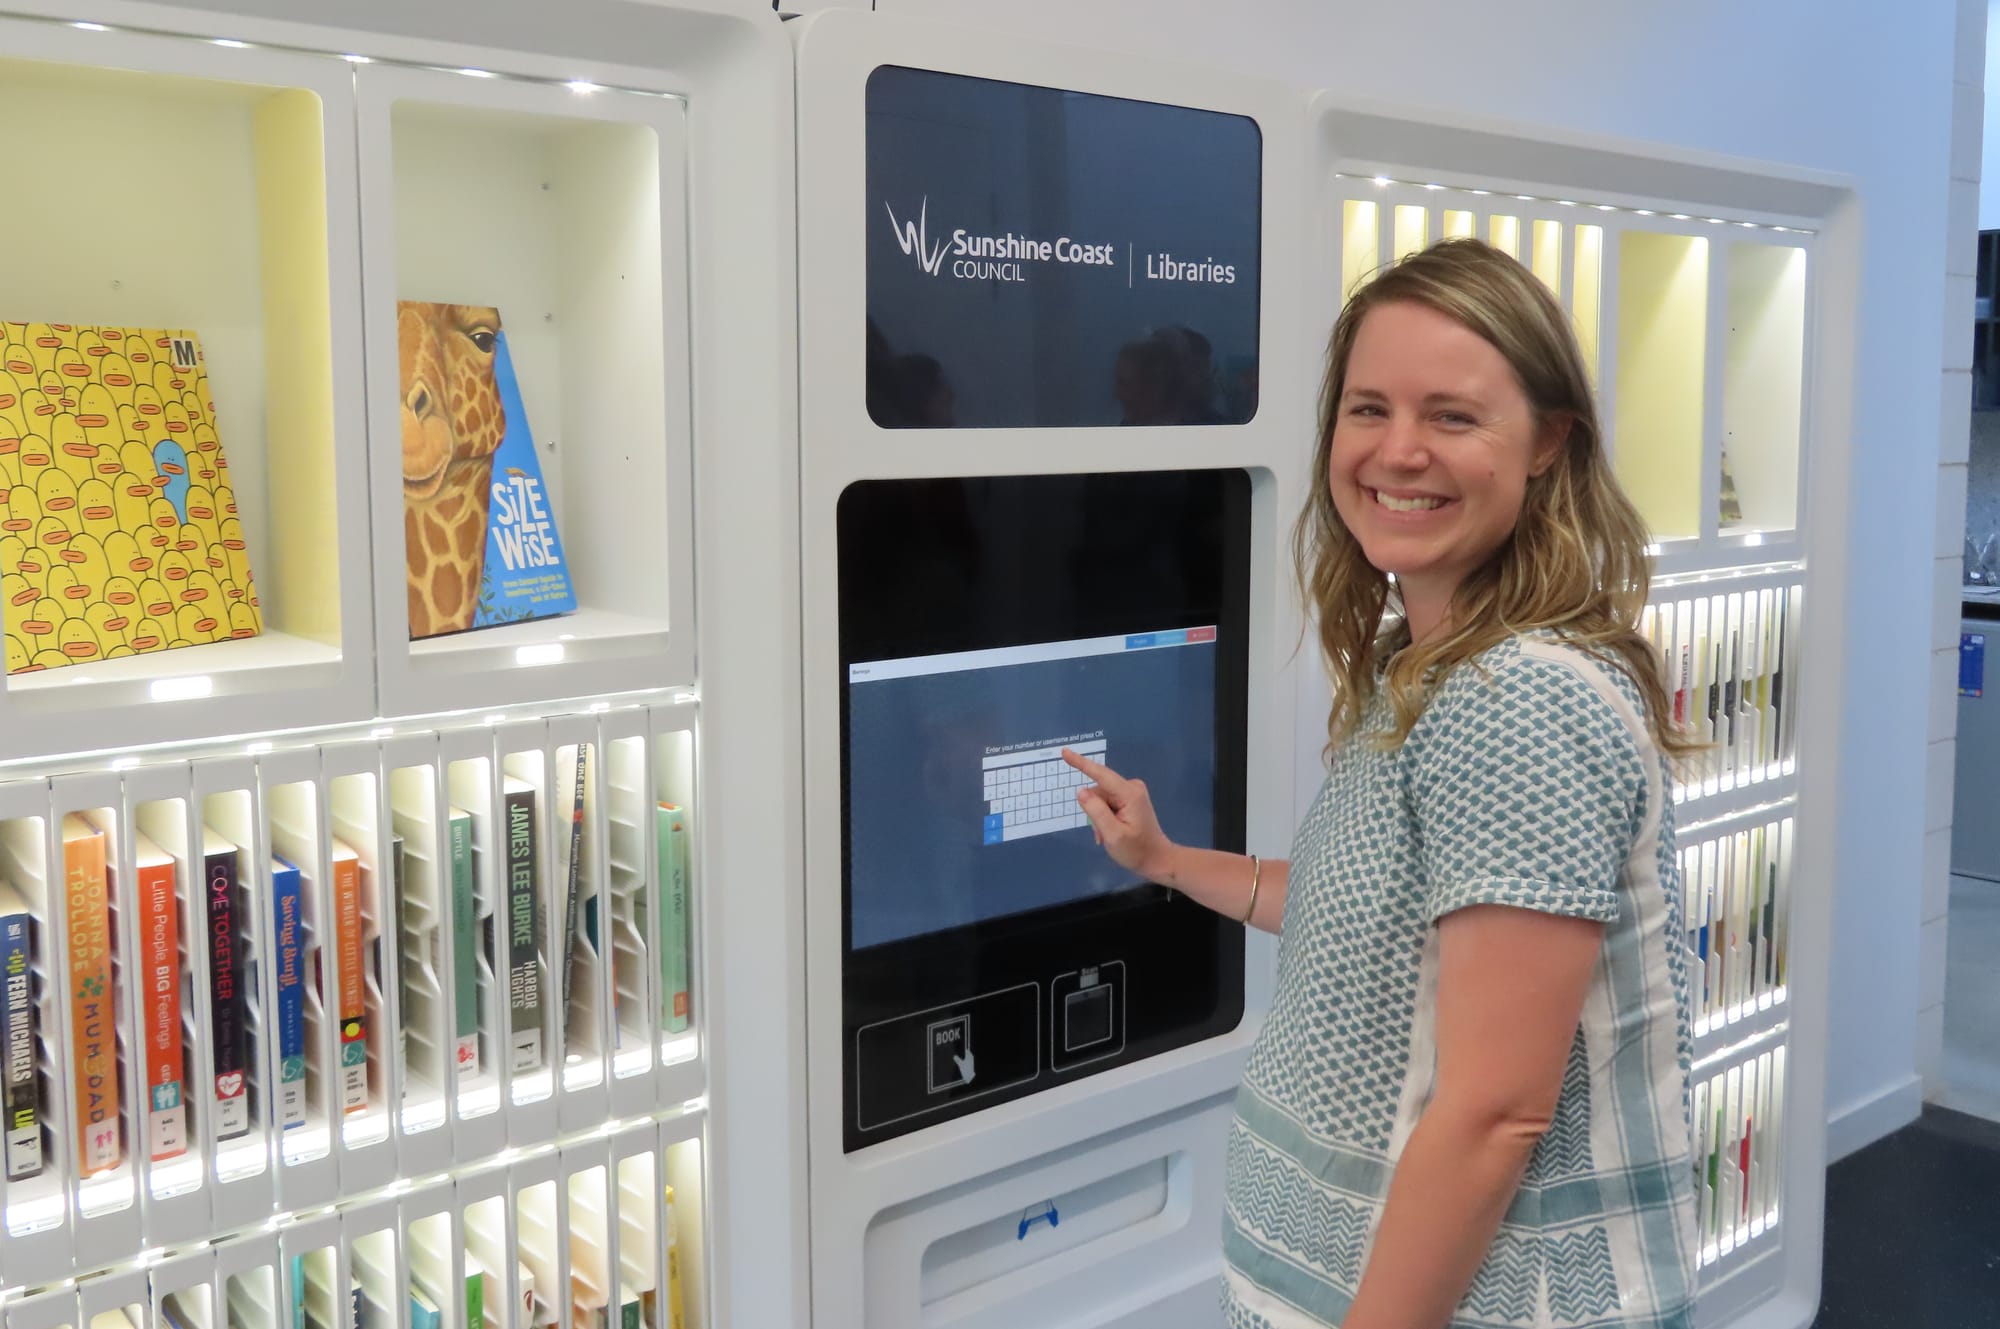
1121, 813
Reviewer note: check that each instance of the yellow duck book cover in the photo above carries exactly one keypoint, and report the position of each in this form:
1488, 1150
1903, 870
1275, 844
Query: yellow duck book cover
119, 532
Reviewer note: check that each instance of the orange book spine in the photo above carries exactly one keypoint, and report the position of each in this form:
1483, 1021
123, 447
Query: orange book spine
353, 1010
93, 1014
160, 973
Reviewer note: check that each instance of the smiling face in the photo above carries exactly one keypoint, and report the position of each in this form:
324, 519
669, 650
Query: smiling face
1434, 442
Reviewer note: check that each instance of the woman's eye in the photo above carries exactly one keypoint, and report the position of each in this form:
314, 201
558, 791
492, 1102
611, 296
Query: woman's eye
1364, 408
1456, 419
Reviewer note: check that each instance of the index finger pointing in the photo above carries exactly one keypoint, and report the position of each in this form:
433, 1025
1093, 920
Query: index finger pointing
1100, 775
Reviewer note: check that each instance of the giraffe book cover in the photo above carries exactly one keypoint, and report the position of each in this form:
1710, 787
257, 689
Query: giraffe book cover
119, 532
479, 529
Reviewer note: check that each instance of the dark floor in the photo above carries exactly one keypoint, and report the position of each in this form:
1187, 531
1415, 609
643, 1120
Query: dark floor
1913, 1229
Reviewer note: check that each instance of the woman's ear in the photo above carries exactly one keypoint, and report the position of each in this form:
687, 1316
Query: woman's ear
1550, 439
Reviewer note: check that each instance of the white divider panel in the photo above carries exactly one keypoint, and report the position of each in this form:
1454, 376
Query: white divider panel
636, 1236
175, 1193
40, 1241
540, 1243
524, 772
675, 759
54, 1309
432, 1256
632, 912
247, 1283
588, 1232
469, 781
488, 1241
372, 1232
124, 1298
307, 1101
313, 1266
355, 805
185, 1282
420, 911
104, 1203
579, 964
684, 1148
226, 814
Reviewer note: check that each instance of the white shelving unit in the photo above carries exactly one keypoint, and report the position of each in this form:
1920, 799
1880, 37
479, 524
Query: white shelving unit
1702, 318
581, 171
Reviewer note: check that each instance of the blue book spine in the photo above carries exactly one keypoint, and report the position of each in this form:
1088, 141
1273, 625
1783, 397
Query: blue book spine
424, 1314
288, 904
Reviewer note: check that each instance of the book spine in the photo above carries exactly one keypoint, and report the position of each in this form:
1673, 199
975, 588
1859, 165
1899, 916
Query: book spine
353, 1012
524, 980
20, 1086
160, 999
226, 995
465, 945
673, 856
575, 883
423, 1315
676, 1306
288, 905
93, 1022
475, 1301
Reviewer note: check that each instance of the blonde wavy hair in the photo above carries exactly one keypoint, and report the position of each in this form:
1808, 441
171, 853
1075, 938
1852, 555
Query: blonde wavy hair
1576, 563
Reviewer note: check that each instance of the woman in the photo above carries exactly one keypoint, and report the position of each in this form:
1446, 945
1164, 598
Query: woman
1469, 1103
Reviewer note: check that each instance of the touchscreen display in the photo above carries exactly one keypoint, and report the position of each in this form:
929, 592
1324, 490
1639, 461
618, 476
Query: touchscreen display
988, 622
1040, 258
962, 808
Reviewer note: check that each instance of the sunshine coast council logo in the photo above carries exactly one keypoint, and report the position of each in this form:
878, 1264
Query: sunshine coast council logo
1008, 256
915, 238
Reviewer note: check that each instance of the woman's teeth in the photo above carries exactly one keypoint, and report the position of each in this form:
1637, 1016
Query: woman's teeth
1407, 504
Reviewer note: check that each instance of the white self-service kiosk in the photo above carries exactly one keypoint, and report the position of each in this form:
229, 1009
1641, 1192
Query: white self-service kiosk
1050, 453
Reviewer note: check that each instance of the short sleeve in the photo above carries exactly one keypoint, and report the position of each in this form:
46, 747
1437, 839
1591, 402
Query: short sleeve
1528, 791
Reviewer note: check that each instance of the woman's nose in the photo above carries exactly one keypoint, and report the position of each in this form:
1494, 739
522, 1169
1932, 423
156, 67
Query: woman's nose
1403, 446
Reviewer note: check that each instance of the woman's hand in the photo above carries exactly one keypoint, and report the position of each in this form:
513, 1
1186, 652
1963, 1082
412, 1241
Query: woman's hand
1121, 813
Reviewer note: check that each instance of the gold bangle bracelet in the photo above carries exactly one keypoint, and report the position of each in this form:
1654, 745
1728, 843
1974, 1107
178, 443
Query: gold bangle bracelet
1256, 877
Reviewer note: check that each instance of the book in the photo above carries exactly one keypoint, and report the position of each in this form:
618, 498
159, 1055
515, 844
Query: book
465, 943
424, 1313
350, 946
475, 1291
524, 978
671, 830
20, 1087
130, 540
676, 1307
227, 993
471, 479
575, 883
93, 1051
524, 1279
156, 879
398, 887
288, 955
631, 1309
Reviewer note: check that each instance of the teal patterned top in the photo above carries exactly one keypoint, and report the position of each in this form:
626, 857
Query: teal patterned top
1530, 780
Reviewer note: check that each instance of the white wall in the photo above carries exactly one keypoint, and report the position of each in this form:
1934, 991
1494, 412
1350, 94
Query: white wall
1841, 85
1989, 157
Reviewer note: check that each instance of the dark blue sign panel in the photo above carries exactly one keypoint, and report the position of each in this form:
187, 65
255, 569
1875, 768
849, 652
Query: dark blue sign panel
1971, 664
1043, 258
